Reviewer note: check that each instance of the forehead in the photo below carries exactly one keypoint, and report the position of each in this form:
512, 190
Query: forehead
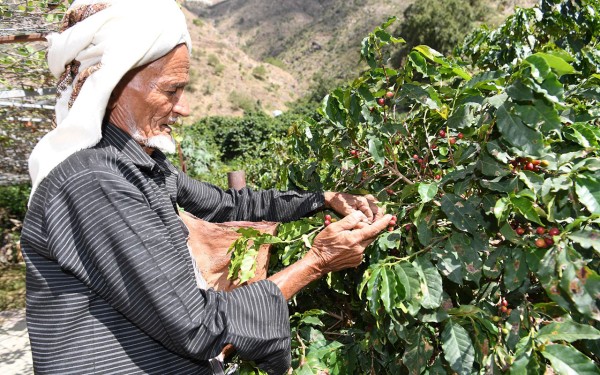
173, 66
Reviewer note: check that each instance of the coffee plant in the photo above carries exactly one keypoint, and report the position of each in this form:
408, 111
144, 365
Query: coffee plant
490, 160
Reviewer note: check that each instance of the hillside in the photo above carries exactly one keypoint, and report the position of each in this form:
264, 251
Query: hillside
309, 38
226, 81
306, 37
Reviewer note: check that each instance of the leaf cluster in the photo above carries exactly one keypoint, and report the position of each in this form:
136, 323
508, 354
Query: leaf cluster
491, 160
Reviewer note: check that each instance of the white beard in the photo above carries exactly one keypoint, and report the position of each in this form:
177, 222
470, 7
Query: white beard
165, 143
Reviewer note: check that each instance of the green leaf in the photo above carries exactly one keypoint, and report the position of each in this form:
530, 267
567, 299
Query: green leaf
551, 89
582, 134
539, 116
424, 231
525, 363
418, 62
459, 259
462, 213
560, 66
458, 348
568, 331
419, 95
418, 351
463, 117
525, 208
539, 67
313, 321
491, 167
567, 360
408, 277
515, 270
427, 191
376, 150
533, 181
502, 209
587, 238
517, 133
373, 291
388, 289
431, 283
588, 191
518, 91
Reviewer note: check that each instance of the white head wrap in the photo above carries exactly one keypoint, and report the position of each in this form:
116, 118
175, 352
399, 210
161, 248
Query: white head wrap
122, 35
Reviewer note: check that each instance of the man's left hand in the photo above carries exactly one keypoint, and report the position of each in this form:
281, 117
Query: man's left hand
344, 204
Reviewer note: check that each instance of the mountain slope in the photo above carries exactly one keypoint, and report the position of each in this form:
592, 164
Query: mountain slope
308, 37
312, 41
226, 81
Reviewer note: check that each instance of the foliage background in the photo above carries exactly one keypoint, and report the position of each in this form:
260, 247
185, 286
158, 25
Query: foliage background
490, 159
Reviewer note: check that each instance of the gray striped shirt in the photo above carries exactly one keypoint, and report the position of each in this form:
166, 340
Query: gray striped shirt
110, 283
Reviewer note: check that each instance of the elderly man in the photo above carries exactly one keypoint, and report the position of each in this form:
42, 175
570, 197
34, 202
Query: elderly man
111, 285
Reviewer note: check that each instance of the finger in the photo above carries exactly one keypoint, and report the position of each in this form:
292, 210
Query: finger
349, 222
375, 209
374, 229
365, 208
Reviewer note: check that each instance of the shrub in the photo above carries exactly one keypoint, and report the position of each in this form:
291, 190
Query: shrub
440, 24
244, 102
259, 72
491, 162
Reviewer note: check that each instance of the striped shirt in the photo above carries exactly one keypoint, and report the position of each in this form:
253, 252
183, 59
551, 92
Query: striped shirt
110, 283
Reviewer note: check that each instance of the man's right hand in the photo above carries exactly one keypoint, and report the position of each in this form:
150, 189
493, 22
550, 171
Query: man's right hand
341, 245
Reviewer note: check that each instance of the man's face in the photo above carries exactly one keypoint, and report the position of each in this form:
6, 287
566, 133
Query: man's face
149, 99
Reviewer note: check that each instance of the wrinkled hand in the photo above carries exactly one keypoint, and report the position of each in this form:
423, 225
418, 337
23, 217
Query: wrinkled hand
341, 244
344, 204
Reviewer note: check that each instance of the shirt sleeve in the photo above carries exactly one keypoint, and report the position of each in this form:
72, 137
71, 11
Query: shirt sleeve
101, 229
211, 203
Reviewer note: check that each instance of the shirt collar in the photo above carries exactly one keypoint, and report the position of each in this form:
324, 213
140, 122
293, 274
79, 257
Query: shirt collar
113, 136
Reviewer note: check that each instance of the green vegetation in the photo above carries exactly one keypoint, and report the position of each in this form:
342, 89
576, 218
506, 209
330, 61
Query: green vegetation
216, 145
12, 286
441, 25
13, 205
260, 72
490, 159
13, 200
275, 62
213, 60
243, 101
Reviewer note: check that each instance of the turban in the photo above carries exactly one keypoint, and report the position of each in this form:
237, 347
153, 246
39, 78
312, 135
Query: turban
100, 41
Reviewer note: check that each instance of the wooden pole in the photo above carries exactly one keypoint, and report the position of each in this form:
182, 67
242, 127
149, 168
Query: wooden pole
4, 39
236, 180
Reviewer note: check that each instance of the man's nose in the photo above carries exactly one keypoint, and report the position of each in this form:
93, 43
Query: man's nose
182, 107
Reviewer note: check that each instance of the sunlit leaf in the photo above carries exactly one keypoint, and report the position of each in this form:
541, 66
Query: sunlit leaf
567, 360
517, 133
458, 348
568, 331
431, 283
